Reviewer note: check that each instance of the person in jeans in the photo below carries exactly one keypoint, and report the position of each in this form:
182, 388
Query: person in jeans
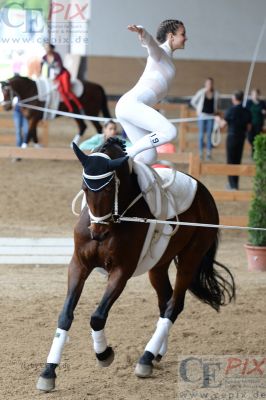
238, 120
21, 124
205, 102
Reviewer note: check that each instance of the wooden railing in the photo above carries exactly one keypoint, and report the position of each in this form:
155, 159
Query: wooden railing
191, 161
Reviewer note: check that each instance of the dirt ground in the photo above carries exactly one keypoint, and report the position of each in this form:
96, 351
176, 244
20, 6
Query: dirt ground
35, 201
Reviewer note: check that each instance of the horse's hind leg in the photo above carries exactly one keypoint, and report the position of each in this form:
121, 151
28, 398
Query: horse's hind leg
97, 126
77, 276
159, 279
189, 260
82, 128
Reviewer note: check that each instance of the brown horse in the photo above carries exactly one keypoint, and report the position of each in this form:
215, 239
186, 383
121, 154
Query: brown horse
93, 100
100, 241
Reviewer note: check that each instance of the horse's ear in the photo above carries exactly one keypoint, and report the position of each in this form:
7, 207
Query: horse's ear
79, 153
118, 162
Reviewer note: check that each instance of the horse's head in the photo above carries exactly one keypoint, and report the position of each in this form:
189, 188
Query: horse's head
100, 184
8, 95
17, 86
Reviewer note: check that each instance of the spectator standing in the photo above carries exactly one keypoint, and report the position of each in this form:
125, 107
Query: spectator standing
205, 101
238, 120
21, 124
257, 108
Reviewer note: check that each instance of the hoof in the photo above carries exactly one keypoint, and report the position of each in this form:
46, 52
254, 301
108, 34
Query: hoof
143, 370
158, 358
106, 358
45, 384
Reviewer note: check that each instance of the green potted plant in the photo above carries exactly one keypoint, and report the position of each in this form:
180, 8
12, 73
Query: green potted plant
256, 248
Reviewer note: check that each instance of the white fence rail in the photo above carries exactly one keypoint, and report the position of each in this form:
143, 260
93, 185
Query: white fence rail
36, 250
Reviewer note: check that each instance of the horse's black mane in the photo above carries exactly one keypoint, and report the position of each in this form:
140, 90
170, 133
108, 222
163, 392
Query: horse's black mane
112, 141
25, 78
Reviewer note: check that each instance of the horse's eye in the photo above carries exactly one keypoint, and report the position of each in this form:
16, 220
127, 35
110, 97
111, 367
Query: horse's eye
109, 188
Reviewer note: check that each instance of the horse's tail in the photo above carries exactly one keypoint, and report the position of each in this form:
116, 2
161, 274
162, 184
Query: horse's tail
104, 105
209, 285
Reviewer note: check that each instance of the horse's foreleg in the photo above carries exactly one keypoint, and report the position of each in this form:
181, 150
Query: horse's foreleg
116, 284
97, 126
77, 276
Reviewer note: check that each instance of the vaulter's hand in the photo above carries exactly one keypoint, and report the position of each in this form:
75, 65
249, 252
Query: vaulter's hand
134, 28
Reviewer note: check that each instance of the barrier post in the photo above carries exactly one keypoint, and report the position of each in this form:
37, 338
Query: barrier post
194, 167
182, 128
45, 133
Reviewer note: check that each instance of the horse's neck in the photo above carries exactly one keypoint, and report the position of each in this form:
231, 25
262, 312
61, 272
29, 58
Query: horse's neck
24, 88
128, 189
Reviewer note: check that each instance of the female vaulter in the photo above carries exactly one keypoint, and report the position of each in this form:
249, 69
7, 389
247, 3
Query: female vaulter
145, 127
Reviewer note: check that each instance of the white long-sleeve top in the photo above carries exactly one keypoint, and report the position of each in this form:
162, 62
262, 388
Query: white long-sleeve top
160, 70
197, 100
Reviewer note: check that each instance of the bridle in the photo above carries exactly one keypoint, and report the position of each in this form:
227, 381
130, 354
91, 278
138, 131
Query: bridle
113, 216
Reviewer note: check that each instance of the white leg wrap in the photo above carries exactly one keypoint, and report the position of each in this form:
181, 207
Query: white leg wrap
99, 341
163, 348
159, 337
59, 341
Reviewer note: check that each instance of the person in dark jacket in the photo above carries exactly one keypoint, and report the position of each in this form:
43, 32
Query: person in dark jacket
257, 108
238, 120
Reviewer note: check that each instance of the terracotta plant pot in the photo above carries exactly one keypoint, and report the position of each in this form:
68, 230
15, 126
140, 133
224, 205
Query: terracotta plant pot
256, 257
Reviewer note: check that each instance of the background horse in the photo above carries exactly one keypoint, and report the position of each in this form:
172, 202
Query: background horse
93, 100
116, 247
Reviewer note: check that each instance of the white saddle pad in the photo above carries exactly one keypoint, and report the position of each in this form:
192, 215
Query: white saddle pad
168, 193
47, 92
77, 87
165, 188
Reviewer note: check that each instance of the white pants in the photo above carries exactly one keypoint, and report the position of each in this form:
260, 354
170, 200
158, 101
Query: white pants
145, 127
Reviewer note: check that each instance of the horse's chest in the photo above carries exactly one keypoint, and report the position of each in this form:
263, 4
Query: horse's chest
98, 254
